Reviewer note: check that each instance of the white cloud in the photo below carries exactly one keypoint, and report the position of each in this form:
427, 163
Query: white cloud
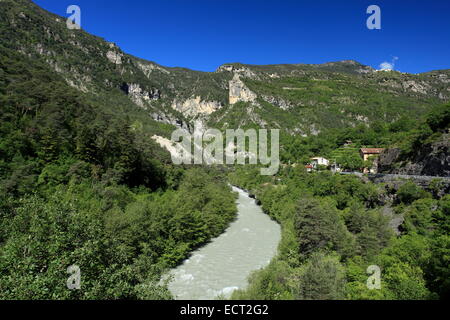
385, 66
388, 66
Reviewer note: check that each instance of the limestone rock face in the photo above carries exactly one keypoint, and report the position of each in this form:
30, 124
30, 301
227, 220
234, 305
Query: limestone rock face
39, 48
242, 71
149, 68
139, 95
114, 57
279, 102
239, 92
195, 106
416, 86
444, 78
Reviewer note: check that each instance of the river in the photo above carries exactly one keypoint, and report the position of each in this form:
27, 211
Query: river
224, 264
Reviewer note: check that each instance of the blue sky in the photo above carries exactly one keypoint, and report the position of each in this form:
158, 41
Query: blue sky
204, 34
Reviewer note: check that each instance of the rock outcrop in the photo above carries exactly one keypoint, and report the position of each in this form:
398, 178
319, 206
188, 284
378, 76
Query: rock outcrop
114, 57
240, 70
277, 101
139, 95
416, 86
239, 91
431, 159
195, 106
149, 68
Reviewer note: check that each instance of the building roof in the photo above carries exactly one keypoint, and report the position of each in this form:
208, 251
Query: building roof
318, 158
372, 150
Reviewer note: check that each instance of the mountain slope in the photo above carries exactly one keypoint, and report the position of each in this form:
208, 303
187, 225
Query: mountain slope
303, 99
82, 183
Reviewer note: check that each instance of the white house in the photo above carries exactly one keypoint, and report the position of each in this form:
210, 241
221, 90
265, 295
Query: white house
319, 161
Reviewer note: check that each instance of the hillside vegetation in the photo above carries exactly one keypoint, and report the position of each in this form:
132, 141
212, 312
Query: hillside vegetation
82, 181
83, 184
334, 227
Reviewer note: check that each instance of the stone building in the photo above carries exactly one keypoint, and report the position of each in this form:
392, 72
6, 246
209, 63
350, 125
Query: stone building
370, 153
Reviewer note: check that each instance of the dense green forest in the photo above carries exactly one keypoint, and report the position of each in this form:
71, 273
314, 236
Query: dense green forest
335, 227
83, 183
79, 184
407, 134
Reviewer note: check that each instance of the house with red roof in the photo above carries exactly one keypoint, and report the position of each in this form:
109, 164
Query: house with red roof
370, 153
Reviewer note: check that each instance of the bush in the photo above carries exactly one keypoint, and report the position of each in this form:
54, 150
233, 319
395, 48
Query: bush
319, 226
322, 278
410, 192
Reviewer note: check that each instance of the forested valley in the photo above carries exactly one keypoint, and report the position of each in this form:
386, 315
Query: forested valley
336, 226
83, 181
82, 185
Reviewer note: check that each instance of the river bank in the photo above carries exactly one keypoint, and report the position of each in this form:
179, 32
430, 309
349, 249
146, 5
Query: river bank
224, 264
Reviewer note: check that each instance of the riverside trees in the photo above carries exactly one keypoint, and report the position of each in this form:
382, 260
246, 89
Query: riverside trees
334, 228
79, 186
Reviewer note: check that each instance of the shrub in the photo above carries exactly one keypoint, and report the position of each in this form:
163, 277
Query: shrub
410, 192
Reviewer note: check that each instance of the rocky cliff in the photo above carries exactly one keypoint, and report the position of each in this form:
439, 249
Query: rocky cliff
432, 159
299, 98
